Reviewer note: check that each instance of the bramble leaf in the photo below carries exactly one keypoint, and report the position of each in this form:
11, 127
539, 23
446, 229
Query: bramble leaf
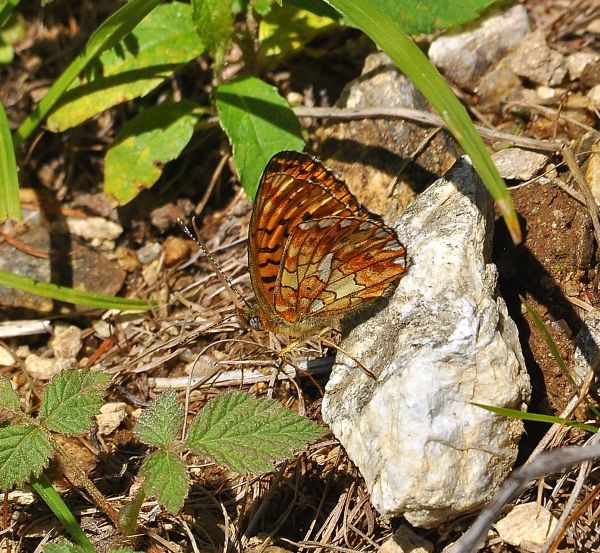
166, 478
24, 450
8, 397
72, 398
161, 422
247, 434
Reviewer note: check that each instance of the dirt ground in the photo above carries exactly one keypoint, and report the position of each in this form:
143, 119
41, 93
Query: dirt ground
317, 499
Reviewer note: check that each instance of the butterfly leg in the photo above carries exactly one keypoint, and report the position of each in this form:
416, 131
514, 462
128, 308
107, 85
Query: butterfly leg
329, 343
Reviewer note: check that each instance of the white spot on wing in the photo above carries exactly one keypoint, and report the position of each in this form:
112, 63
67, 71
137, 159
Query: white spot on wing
316, 306
346, 223
326, 222
365, 226
324, 268
393, 246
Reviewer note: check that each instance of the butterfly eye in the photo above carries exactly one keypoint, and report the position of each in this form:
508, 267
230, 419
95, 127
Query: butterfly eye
254, 322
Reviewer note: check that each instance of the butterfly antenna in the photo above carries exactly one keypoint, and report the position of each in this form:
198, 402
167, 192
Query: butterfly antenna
239, 300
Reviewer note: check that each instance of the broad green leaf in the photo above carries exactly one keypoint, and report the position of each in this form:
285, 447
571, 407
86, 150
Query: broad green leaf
8, 397
10, 205
161, 423
72, 398
135, 161
372, 17
525, 416
247, 434
24, 450
113, 29
71, 295
214, 23
287, 29
166, 478
259, 124
159, 45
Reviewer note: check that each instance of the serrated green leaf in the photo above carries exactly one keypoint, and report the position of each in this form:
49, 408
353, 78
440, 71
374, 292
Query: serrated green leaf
247, 434
287, 29
161, 422
214, 23
62, 546
135, 160
24, 450
163, 41
72, 398
8, 397
166, 478
259, 123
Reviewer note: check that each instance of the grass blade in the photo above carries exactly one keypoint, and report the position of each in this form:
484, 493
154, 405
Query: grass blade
9, 180
371, 18
70, 295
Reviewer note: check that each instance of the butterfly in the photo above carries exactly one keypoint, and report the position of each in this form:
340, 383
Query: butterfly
315, 255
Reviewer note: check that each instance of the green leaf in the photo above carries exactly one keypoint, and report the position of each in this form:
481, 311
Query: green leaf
247, 434
113, 29
72, 398
24, 450
166, 478
522, 415
287, 29
62, 546
71, 295
6, 10
214, 23
259, 124
161, 423
10, 205
158, 46
8, 397
135, 160
43, 487
373, 19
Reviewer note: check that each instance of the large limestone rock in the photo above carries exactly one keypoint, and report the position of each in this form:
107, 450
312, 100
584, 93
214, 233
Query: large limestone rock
444, 342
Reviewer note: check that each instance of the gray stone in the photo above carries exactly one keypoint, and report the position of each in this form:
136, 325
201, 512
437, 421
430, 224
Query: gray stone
444, 341
465, 57
539, 63
519, 164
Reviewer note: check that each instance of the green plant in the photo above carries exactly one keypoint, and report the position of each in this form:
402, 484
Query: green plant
236, 430
145, 43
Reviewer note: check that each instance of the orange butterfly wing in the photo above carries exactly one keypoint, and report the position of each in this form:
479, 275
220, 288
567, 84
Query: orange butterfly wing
314, 252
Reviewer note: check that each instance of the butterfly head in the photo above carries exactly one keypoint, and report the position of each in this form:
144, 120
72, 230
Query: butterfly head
250, 316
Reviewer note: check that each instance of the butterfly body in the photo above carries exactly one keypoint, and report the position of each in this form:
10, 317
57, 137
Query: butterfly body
315, 254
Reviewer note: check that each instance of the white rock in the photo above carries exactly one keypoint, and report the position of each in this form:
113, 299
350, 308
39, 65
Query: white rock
149, 253
527, 526
587, 346
110, 417
444, 341
466, 56
6, 357
536, 61
99, 232
66, 341
578, 61
405, 540
44, 368
594, 96
519, 164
